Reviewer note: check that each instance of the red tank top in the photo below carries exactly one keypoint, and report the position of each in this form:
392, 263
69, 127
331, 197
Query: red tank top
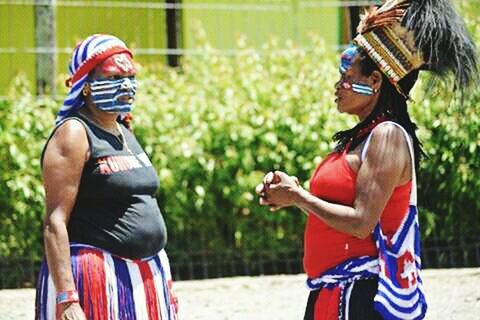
325, 247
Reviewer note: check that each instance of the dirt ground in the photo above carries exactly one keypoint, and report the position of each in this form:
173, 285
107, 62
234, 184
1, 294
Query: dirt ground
451, 294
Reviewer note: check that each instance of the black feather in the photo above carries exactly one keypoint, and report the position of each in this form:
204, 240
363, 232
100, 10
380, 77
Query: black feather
442, 37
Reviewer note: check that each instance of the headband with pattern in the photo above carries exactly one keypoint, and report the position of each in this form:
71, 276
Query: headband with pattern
86, 56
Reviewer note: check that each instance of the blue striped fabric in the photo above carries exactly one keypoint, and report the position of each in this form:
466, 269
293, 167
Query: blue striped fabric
125, 291
348, 271
400, 288
86, 50
400, 293
164, 275
111, 287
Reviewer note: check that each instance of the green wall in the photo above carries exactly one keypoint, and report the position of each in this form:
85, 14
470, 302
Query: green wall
138, 27
145, 28
294, 21
16, 31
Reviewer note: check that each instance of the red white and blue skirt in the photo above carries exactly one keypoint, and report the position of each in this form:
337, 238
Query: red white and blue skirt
399, 294
111, 287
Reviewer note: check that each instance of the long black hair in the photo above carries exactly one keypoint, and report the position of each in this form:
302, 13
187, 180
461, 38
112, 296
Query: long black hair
391, 104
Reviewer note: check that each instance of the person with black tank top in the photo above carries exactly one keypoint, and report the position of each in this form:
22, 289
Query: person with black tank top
104, 234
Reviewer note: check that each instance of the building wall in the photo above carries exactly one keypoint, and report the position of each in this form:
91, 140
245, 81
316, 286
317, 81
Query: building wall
260, 20
16, 31
144, 28
138, 27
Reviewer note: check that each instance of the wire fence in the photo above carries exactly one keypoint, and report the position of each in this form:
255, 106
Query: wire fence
161, 31
266, 10
19, 272
164, 31
144, 26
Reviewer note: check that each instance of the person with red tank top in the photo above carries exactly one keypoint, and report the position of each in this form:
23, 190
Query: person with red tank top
361, 240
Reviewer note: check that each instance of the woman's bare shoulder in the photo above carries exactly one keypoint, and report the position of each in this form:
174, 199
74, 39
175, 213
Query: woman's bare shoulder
69, 139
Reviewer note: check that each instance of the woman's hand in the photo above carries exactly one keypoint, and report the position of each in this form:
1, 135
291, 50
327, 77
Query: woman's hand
262, 187
70, 311
278, 190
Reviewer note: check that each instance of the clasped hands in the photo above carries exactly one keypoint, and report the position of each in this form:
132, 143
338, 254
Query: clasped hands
278, 190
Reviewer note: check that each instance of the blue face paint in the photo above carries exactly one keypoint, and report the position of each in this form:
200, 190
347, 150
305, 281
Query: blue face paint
364, 89
106, 94
346, 62
347, 58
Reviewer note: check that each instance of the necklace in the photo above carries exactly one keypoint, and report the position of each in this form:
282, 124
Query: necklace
373, 123
123, 141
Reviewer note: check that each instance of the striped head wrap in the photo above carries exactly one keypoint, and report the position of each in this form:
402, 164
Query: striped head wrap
87, 55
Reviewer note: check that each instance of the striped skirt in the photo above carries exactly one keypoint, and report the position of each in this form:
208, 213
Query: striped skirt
113, 288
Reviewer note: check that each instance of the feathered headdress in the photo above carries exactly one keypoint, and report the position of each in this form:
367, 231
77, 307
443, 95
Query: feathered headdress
406, 35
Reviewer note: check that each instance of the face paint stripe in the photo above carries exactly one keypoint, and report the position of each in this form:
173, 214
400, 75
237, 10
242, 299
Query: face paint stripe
347, 57
96, 91
113, 80
103, 93
126, 108
362, 87
362, 90
105, 90
106, 94
110, 83
104, 87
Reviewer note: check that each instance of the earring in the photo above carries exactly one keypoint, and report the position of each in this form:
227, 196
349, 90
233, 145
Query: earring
85, 91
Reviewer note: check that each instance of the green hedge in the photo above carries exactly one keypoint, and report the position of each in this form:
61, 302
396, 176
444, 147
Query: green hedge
215, 127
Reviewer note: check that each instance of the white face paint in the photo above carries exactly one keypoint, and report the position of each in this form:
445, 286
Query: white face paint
114, 95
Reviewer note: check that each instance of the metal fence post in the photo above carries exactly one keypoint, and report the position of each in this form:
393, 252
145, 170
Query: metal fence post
174, 27
45, 65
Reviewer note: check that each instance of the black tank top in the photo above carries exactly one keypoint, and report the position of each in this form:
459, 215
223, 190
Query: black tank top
116, 208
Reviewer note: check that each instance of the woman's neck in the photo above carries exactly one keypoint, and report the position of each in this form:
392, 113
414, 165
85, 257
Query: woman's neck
366, 111
105, 120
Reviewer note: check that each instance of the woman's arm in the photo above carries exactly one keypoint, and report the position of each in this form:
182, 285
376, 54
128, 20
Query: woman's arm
63, 163
386, 163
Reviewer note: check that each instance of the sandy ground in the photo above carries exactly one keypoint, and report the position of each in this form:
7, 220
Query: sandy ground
452, 294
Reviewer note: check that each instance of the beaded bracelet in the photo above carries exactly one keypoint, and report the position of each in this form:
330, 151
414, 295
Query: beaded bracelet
67, 296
